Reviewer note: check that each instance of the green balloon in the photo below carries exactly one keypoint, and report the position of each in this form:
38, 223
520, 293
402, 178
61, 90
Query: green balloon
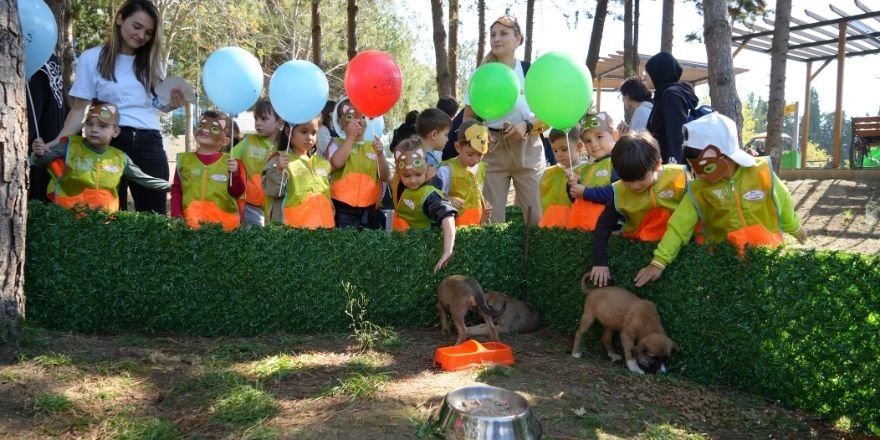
559, 90
493, 90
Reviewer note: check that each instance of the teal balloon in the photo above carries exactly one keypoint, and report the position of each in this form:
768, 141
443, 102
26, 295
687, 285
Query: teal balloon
39, 32
493, 90
559, 90
233, 79
298, 90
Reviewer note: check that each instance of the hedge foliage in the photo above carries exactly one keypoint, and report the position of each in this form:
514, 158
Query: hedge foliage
801, 328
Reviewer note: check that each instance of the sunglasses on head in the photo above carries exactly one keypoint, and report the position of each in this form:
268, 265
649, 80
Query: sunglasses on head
508, 21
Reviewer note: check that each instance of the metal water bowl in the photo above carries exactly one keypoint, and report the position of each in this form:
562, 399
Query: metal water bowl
484, 412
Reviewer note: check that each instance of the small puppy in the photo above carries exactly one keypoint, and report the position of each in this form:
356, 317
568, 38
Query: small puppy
518, 317
458, 294
644, 341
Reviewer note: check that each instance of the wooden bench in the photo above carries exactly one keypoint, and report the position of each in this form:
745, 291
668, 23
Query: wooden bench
865, 134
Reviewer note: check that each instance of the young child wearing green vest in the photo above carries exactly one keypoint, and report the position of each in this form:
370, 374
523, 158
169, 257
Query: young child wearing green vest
359, 168
420, 205
462, 176
645, 197
737, 197
208, 182
593, 189
253, 151
302, 177
556, 200
87, 169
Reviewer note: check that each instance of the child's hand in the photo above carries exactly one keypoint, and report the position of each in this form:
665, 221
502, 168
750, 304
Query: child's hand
648, 273
487, 212
233, 166
600, 275
576, 190
456, 202
800, 235
377, 145
283, 161
623, 127
353, 128
441, 263
40, 147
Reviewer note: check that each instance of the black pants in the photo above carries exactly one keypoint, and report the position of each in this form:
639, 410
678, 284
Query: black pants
347, 216
144, 147
39, 183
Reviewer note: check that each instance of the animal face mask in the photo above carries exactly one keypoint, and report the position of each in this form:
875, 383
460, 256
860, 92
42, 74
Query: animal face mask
215, 127
477, 136
710, 165
106, 113
412, 167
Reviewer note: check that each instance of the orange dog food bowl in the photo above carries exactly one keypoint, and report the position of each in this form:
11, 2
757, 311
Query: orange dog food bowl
471, 352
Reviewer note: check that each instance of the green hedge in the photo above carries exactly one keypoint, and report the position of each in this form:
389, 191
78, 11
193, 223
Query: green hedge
802, 328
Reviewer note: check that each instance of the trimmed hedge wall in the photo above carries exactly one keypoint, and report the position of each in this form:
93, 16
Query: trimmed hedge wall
802, 328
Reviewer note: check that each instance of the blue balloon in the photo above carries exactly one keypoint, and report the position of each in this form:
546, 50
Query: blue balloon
40, 33
298, 91
233, 79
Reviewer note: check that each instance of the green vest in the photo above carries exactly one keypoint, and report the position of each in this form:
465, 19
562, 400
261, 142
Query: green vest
554, 187
744, 203
357, 183
305, 178
409, 207
465, 185
205, 183
597, 174
665, 193
253, 151
85, 172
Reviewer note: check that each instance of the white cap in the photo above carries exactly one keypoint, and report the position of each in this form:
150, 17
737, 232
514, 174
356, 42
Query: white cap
720, 131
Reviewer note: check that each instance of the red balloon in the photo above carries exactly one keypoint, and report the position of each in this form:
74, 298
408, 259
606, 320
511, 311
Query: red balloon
373, 82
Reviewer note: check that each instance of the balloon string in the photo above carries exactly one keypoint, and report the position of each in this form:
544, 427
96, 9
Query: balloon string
284, 171
231, 145
33, 109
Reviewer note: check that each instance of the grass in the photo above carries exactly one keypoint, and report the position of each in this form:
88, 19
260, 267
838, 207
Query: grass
244, 405
237, 352
665, 431
274, 367
52, 360
358, 385
848, 216
211, 383
52, 403
492, 370
124, 427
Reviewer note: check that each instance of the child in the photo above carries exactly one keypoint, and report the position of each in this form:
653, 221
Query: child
593, 190
555, 198
253, 151
420, 204
359, 168
87, 169
462, 176
737, 197
432, 126
306, 202
644, 198
202, 191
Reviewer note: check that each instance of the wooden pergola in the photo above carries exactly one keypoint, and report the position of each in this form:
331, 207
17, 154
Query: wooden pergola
821, 40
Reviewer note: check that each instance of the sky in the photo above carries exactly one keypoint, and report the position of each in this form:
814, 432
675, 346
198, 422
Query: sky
554, 32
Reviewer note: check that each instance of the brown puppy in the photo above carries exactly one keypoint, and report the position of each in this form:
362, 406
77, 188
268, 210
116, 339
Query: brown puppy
643, 339
458, 294
518, 317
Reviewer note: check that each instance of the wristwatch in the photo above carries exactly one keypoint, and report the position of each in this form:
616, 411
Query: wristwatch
529, 126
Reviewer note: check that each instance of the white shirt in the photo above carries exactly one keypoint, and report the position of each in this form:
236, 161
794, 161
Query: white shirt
324, 139
127, 93
639, 121
520, 112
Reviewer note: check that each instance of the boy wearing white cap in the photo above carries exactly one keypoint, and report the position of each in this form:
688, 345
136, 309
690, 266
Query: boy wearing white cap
737, 197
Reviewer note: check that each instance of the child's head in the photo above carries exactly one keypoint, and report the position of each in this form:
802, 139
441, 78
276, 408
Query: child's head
303, 136
102, 123
449, 105
636, 159
211, 131
433, 126
598, 134
346, 113
327, 114
472, 143
711, 147
560, 145
409, 155
266, 121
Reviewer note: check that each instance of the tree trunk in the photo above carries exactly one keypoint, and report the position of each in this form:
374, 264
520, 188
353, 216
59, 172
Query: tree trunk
666, 26
776, 106
13, 181
442, 61
188, 135
530, 24
481, 22
64, 47
351, 28
722, 81
628, 56
636, 61
453, 47
596, 35
316, 33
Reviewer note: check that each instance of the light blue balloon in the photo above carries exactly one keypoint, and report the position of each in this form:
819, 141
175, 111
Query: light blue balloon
233, 79
376, 128
298, 91
40, 33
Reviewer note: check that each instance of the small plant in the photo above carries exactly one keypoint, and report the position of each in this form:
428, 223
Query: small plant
365, 332
124, 427
487, 371
52, 360
244, 405
666, 431
359, 385
848, 216
278, 366
52, 403
427, 429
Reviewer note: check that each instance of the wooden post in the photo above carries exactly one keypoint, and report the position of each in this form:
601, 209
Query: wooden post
599, 94
838, 109
808, 103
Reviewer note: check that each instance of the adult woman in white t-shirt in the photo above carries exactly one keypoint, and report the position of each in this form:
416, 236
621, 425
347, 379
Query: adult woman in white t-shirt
515, 152
124, 71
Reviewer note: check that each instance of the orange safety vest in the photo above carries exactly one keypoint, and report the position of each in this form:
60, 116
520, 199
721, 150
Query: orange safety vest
357, 183
468, 187
88, 178
584, 213
307, 201
742, 211
205, 189
253, 152
646, 213
555, 203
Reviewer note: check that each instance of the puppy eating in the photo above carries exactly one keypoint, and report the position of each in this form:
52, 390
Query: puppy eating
458, 294
644, 341
518, 317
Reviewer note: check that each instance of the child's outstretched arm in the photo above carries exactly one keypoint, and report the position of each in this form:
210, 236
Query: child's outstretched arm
448, 227
788, 218
384, 170
439, 210
600, 273
679, 230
